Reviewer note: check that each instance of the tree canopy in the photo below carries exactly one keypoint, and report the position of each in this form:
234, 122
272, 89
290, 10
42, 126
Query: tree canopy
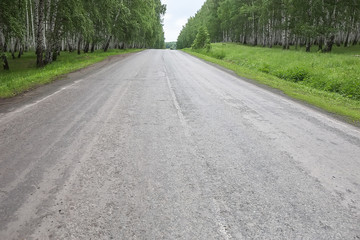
49, 26
277, 22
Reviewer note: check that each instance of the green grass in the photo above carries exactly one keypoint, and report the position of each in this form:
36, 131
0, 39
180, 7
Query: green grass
329, 81
24, 75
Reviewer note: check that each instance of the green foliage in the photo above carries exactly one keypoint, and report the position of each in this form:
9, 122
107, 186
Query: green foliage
214, 53
11, 18
79, 24
170, 45
338, 72
218, 54
202, 39
274, 22
296, 74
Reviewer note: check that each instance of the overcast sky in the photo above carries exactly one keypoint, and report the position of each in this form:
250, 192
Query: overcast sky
177, 14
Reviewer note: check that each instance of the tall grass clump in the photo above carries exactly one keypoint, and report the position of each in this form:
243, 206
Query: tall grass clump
337, 72
215, 53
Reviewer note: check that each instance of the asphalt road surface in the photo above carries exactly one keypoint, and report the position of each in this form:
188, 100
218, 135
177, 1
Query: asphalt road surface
161, 145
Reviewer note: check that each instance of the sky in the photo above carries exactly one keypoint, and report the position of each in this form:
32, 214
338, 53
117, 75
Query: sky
177, 14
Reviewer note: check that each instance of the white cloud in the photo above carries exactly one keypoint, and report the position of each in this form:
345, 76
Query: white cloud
181, 22
177, 14
168, 17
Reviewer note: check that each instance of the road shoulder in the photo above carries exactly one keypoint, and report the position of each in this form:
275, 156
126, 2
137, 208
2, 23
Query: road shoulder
345, 114
33, 95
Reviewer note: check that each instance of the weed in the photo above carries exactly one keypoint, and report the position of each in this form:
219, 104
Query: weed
296, 74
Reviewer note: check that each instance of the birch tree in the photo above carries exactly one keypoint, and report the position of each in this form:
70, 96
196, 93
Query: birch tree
277, 22
51, 26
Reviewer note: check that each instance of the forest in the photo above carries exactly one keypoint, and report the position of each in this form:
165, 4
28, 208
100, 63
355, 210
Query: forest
48, 27
268, 23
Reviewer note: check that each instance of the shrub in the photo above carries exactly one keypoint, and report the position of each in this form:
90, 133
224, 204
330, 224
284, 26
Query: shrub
333, 86
202, 40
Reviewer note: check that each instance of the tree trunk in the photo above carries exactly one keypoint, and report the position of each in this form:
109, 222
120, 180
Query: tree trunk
329, 44
87, 46
355, 41
6, 63
48, 55
346, 42
269, 35
244, 39
308, 45
338, 42
14, 48
283, 43
27, 37
56, 51
321, 42
54, 39
55, 55
254, 30
3, 56
92, 47
39, 33
69, 46
106, 47
21, 51
32, 23
107, 44
351, 25
285, 40
79, 46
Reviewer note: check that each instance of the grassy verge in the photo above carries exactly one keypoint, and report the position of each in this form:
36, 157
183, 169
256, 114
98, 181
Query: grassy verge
24, 75
329, 81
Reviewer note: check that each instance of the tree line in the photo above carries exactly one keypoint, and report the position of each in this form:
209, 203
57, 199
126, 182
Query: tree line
277, 22
51, 26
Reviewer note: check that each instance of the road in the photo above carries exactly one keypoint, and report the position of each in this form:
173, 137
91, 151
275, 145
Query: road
161, 145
